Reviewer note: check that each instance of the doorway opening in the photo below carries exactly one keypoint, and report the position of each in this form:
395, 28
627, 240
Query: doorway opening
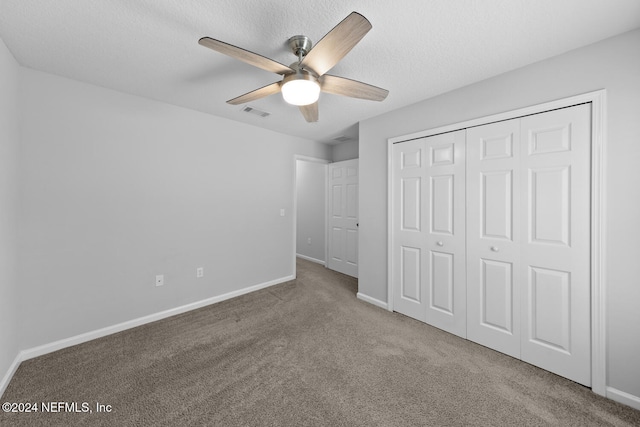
309, 210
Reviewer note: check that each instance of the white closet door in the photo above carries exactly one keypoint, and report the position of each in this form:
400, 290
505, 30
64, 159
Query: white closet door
444, 232
343, 217
408, 245
493, 236
526, 235
429, 230
555, 255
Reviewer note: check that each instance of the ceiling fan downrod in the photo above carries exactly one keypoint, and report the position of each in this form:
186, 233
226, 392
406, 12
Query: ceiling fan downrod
300, 46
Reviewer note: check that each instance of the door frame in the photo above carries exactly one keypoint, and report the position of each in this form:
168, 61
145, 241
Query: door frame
598, 213
294, 213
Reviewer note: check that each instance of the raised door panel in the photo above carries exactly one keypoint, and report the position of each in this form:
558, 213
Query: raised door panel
493, 236
556, 249
441, 282
410, 274
550, 205
497, 295
336, 198
351, 252
549, 306
352, 201
410, 203
337, 244
496, 198
442, 200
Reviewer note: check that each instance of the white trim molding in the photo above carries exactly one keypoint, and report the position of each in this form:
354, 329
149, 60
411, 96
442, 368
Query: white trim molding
7, 377
623, 397
308, 258
99, 333
372, 300
597, 99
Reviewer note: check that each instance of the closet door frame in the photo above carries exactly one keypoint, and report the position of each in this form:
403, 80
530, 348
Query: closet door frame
598, 198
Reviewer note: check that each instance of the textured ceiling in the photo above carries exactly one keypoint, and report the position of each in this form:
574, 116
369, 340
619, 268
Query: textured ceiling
416, 49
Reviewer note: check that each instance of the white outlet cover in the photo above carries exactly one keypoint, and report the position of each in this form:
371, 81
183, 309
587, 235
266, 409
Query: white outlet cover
160, 280
200, 272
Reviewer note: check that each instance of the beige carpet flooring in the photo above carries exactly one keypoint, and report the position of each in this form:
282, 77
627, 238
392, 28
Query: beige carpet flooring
302, 353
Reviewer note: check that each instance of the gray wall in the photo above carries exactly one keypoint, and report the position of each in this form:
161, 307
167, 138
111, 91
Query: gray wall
614, 65
311, 182
117, 189
346, 151
8, 209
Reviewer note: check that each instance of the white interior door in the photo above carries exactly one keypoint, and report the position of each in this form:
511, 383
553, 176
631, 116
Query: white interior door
555, 256
493, 236
429, 230
343, 217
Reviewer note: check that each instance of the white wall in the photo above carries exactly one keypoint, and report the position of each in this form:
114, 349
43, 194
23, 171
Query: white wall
117, 189
9, 138
345, 151
614, 65
311, 181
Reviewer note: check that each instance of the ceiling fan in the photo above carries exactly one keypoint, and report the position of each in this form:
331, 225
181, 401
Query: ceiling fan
303, 80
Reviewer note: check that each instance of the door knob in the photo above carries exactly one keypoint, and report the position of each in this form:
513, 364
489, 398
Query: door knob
495, 249
440, 243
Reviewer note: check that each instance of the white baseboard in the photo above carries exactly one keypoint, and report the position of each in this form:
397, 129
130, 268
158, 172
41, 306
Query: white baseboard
308, 258
7, 377
623, 397
372, 300
99, 333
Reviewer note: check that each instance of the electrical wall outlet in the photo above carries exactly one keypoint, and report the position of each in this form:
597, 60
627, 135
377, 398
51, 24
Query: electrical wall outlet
200, 272
159, 279
308, 240
281, 212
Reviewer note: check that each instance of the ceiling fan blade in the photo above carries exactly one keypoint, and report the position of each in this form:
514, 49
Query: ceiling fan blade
310, 112
336, 43
352, 88
264, 91
245, 56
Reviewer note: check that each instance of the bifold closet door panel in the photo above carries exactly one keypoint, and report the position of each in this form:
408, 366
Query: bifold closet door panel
428, 247
493, 236
408, 244
444, 235
555, 254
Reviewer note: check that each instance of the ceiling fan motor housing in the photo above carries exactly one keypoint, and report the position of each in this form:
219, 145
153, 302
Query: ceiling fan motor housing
300, 45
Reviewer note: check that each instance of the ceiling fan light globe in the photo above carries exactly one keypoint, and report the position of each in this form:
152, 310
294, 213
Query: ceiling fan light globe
300, 91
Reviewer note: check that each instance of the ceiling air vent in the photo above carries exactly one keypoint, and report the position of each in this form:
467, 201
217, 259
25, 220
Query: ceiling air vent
341, 138
255, 111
